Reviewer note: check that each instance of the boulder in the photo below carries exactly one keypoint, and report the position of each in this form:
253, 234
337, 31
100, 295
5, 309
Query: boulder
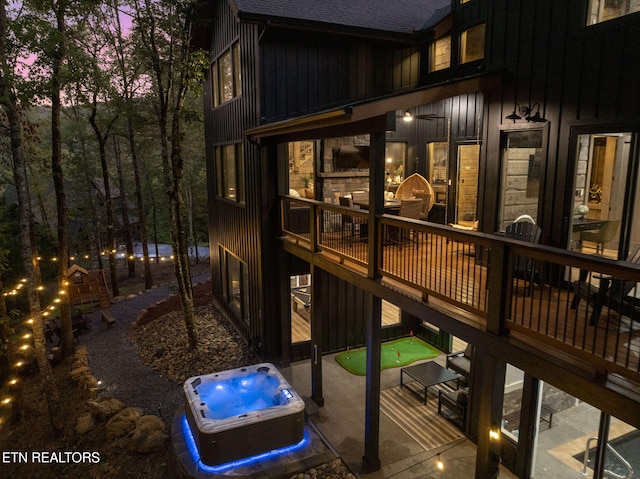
85, 423
81, 371
123, 422
104, 408
149, 435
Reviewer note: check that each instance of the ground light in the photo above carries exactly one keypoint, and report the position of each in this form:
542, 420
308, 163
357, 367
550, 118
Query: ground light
195, 455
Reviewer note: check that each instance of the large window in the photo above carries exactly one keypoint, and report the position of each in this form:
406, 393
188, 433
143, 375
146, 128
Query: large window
407, 68
234, 282
603, 10
230, 171
522, 160
395, 153
441, 54
472, 44
225, 76
599, 204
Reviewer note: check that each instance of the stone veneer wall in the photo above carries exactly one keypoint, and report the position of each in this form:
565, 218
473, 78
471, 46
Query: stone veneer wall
344, 182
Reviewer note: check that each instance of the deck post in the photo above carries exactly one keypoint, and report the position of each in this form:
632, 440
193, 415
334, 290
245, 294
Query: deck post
376, 197
499, 282
488, 392
370, 459
316, 337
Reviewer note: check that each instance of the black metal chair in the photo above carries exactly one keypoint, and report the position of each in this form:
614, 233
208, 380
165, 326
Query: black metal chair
349, 221
524, 268
611, 293
411, 208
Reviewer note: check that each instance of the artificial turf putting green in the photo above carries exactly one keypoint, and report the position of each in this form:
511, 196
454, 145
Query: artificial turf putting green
411, 349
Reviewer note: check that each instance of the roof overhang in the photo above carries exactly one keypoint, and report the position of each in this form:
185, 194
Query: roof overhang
372, 115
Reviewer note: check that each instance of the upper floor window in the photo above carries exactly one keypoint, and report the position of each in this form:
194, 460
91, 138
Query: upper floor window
603, 10
407, 68
441, 54
225, 76
230, 171
472, 44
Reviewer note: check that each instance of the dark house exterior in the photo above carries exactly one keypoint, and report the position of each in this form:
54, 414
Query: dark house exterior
518, 110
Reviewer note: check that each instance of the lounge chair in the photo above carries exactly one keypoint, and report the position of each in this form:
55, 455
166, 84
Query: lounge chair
523, 267
460, 361
611, 293
456, 402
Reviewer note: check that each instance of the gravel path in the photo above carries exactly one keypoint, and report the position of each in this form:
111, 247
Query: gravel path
114, 360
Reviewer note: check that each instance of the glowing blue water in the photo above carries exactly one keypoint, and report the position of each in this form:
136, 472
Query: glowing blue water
239, 395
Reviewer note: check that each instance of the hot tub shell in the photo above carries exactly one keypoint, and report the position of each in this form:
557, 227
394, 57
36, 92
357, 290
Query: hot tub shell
220, 441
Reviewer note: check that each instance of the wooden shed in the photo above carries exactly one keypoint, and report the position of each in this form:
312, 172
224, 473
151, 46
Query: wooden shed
88, 290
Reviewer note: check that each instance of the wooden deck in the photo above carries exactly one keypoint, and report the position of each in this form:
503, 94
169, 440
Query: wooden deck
468, 273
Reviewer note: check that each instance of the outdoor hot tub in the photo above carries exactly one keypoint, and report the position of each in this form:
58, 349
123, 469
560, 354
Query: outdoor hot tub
242, 412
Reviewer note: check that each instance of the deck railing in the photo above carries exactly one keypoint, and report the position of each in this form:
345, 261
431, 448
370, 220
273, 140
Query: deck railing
581, 305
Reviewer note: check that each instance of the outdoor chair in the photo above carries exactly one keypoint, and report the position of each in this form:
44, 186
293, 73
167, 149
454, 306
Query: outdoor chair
408, 209
456, 402
601, 236
427, 204
524, 268
611, 293
349, 221
460, 361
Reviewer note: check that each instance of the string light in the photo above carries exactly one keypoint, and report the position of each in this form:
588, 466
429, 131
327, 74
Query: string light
439, 463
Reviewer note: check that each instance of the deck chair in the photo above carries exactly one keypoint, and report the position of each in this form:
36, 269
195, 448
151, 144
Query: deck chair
524, 268
611, 293
411, 208
349, 221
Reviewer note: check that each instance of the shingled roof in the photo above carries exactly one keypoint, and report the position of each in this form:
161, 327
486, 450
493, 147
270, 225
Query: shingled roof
397, 16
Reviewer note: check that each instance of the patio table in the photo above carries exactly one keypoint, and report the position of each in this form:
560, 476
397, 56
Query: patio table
428, 374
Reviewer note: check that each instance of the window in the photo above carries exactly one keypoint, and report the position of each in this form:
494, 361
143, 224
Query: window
522, 157
225, 76
406, 70
441, 54
603, 10
234, 281
230, 171
472, 44
395, 153
599, 196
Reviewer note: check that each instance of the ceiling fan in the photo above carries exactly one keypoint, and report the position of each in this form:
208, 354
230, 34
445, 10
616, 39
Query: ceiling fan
408, 116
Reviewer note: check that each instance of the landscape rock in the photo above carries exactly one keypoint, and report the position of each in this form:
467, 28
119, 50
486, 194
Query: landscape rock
76, 373
104, 408
123, 422
85, 423
149, 435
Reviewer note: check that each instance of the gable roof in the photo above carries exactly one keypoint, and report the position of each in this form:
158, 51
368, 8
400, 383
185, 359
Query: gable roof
397, 16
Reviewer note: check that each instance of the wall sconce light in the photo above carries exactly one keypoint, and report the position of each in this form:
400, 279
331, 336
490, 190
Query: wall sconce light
407, 116
527, 113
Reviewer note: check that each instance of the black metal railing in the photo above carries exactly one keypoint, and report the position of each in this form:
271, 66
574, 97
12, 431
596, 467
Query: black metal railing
581, 305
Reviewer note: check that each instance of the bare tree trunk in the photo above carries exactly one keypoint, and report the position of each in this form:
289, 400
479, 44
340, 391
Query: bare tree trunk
58, 183
125, 209
102, 139
148, 279
5, 334
8, 102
